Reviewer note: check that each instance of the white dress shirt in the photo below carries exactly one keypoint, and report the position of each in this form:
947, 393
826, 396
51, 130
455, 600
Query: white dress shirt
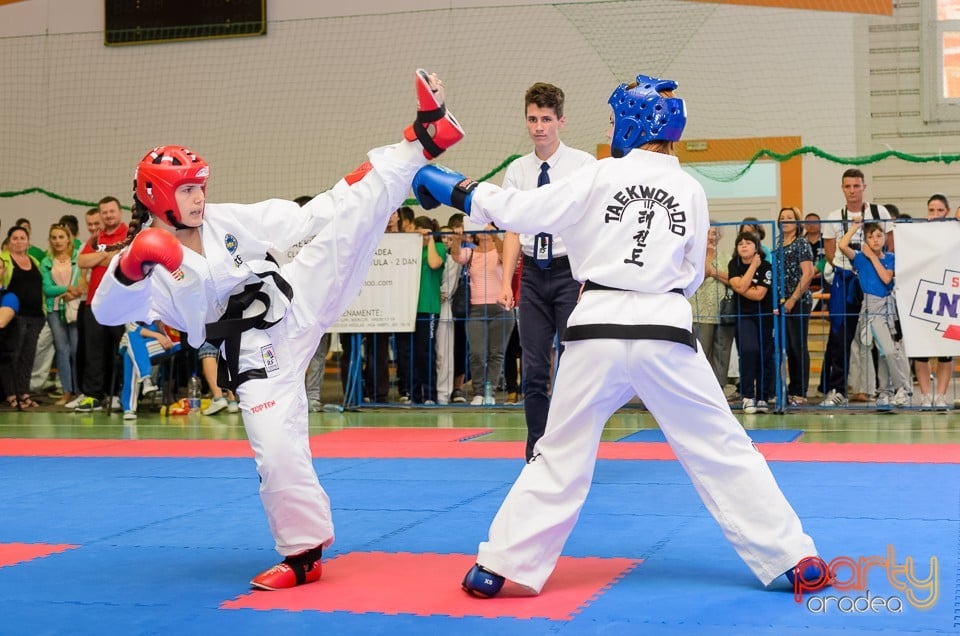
524, 172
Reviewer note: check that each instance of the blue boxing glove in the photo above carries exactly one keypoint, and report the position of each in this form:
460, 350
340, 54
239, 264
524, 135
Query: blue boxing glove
433, 185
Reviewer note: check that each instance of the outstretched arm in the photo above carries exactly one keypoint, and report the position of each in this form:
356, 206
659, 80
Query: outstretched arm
559, 205
844, 244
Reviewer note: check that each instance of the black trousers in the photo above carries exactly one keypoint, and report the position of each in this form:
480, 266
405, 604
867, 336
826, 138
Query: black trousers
547, 298
100, 351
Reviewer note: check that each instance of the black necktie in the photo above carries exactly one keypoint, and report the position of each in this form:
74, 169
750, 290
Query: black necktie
543, 242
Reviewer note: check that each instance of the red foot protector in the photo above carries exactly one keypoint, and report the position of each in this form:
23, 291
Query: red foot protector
431, 586
13, 553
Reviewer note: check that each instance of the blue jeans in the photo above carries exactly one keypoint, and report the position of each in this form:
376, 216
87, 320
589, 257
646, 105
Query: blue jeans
488, 332
845, 299
65, 342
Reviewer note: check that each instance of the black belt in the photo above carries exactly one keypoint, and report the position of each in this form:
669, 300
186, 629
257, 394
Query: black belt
529, 261
228, 330
611, 331
592, 286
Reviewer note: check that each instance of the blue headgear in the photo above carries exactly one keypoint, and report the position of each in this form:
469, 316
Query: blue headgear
641, 115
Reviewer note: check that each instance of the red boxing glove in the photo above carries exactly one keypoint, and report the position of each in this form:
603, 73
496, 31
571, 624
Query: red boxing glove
150, 247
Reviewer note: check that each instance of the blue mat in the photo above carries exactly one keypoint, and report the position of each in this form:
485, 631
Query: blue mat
163, 542
759, 435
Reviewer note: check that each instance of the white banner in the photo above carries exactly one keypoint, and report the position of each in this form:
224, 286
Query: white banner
388, 298
927, 274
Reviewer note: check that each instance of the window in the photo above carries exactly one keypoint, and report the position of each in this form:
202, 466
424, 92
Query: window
941, 70
761, 180
148, 21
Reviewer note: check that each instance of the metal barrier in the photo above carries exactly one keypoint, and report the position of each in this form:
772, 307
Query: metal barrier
412, 359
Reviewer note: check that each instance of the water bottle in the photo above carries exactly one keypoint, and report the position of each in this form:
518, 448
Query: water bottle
488, 393
193, 393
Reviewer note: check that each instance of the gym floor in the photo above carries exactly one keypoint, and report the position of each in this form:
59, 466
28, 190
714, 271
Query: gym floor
856, 424
153, 526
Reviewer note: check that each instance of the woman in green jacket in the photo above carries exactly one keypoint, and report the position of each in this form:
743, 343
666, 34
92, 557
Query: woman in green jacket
64, 288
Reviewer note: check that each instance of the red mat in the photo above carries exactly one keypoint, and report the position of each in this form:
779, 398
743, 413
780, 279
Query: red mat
459, 443
865, 453
428, 584
124, 448
13, 553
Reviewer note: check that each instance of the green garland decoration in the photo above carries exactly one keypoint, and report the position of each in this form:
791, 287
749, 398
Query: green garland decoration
761, 154
52, 195
849, 161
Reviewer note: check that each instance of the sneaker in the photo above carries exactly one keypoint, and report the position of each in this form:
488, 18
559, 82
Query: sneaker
481, 582
148, 387
511, 398
288, 573
940, 403
762, 406
429, 403
115, 403
926, 402
834, 398
900, 398
88, 404
883, 402
477, 400
75, 402
216, 405
749, 406
404, 399
232, 406
315, 406
129, 415
458, 397
810, 574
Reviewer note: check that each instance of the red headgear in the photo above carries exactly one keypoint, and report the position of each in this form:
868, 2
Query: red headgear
161, 172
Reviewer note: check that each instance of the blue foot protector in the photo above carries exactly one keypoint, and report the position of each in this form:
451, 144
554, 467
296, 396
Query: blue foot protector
810, 574
481, 582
